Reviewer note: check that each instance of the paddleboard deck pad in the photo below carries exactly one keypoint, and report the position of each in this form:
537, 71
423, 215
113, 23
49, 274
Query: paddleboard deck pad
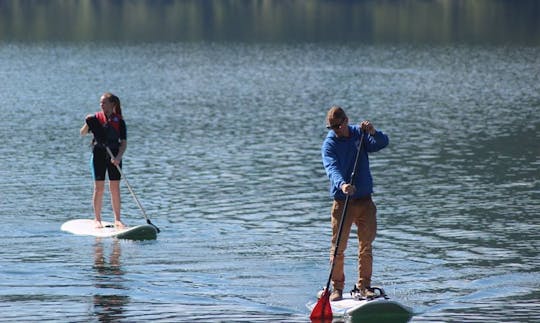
87, 227
377, 309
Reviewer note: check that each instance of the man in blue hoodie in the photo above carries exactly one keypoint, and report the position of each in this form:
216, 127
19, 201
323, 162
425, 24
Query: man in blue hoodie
338, 154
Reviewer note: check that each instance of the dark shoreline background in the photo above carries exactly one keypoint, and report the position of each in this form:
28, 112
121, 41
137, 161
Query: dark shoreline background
493, 22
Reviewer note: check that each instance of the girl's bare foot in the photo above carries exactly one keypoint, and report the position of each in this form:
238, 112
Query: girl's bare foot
97, 224
119, 225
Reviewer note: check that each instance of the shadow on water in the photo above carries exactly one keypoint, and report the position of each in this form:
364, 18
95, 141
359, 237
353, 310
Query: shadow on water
109, 301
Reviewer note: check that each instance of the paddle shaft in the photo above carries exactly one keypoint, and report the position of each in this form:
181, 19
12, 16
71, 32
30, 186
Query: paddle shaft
131, 190
342, 221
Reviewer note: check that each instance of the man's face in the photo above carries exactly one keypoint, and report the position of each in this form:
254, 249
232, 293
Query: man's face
339, 126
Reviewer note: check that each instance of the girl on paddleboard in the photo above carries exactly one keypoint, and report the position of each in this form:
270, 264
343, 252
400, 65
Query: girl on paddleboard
109, 130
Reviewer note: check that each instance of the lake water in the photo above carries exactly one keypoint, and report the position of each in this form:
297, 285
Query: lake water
224, 154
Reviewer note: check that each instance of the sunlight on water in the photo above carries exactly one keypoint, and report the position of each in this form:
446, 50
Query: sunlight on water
224, 153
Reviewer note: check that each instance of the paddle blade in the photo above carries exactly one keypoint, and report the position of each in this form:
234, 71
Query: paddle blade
322, 310
157, 229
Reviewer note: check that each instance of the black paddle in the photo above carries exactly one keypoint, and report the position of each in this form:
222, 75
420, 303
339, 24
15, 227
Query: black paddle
322, 310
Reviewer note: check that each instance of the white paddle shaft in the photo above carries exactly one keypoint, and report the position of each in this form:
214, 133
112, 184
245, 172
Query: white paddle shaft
127, 184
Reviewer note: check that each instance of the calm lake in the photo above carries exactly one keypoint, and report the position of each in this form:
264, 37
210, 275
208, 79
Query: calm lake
224, 153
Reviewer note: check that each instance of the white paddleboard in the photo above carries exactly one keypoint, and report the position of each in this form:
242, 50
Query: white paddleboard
380, 309
87, 227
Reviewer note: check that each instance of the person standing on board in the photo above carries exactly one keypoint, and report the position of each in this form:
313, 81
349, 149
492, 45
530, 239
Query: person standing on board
338, 155
109, 130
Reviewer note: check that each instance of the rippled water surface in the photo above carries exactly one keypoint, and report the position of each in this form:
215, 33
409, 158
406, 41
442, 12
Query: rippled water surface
224, 153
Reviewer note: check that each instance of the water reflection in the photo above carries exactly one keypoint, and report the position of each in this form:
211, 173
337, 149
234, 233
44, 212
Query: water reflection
109, 302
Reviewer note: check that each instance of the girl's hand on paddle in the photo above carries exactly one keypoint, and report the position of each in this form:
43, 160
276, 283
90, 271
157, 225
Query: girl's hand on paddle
348, 189
368, 127
116, 161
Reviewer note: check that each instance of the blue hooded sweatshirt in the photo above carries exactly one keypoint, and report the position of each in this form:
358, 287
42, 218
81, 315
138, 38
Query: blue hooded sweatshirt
338, 155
